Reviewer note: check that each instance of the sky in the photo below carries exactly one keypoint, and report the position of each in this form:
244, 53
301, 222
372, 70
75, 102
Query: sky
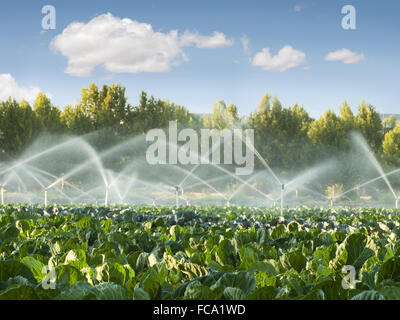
197, 52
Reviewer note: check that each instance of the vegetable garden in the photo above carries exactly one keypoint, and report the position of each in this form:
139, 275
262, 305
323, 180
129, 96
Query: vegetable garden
208, 252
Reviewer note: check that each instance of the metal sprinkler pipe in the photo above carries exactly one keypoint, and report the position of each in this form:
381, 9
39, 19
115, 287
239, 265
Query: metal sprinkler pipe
2, 194
177, 189
106, 195
45, 197
282, 194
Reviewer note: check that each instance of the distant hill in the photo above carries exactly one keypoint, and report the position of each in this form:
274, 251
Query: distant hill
387, 115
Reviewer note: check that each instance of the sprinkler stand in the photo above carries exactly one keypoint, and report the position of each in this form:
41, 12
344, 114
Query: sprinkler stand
45, 197
282, 194
177, 189
106, 196
2, 194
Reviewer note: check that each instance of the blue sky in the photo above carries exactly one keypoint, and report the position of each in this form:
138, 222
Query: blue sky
199, 69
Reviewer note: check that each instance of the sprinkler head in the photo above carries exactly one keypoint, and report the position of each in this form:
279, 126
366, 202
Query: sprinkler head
283, 186
178, 189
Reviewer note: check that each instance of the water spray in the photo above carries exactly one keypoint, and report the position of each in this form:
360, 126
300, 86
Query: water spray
397, 202
228, 204
333, 195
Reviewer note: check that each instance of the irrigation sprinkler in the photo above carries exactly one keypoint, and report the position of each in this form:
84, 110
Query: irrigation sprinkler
177, 190
2, 194
282, 194
106, 196
228, 204
62, 181
45, 197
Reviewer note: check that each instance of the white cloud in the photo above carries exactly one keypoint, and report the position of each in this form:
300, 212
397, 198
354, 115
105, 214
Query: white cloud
125, 45
218, 40
10, 88
286, 58
345, 55
245, 44
298, 8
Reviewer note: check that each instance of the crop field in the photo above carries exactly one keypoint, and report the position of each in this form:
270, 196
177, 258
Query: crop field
208, 252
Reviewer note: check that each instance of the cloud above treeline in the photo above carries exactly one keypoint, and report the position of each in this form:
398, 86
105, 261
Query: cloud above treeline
285, 59
10, 88
345, 55
128, 46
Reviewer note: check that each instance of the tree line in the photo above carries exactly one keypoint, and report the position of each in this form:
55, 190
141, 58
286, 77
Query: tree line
286, 137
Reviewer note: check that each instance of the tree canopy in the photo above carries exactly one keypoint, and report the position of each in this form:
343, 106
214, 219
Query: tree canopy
286, 137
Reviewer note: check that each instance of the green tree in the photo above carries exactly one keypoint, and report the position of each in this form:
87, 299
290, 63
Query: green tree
106, 107
281, 133
391, 147
17, 126
76, 120
156, 113
369, 124
348, 118
328, 132
222, 116
49, 116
